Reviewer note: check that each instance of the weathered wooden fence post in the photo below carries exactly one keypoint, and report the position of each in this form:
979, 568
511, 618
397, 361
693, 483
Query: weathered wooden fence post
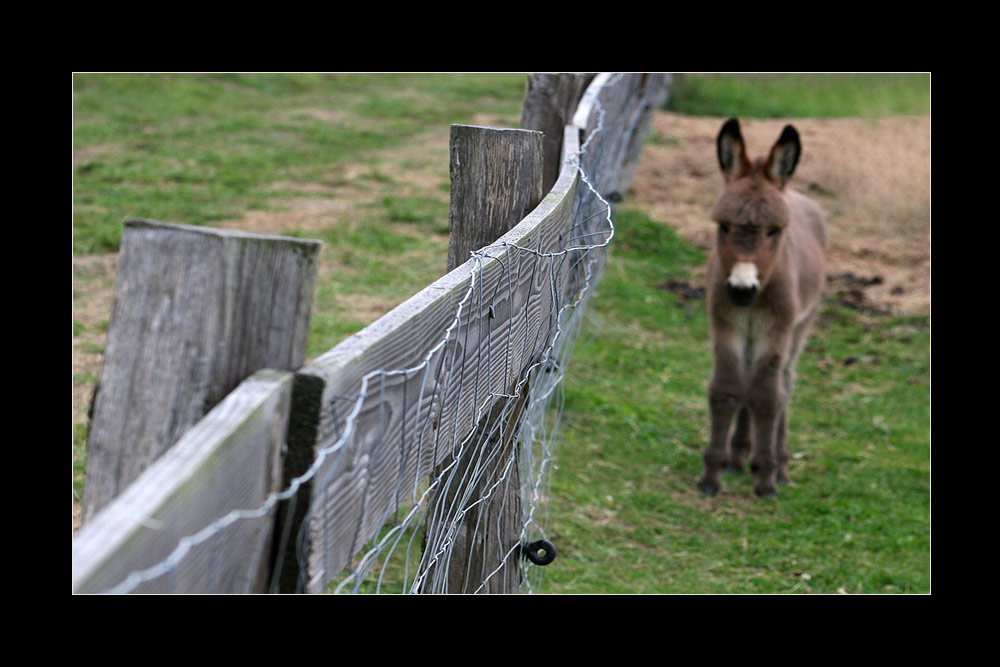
627, 107
496, 180
550, 100
196, 311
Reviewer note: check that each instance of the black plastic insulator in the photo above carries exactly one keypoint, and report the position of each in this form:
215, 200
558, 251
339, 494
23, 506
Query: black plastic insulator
533, 552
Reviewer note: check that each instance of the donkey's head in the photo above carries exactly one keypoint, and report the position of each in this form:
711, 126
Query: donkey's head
752, 213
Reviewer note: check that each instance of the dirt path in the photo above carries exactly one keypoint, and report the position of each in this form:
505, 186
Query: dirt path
871, 176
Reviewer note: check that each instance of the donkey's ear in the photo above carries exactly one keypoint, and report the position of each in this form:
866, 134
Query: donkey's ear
732, 151
784, 156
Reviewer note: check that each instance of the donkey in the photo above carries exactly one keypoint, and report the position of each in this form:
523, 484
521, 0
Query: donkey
765, 283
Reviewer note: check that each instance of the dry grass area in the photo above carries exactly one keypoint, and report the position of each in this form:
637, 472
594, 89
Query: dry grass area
871, 176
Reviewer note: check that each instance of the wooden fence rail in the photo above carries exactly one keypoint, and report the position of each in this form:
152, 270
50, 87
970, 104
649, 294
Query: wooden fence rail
361, 427
231, 460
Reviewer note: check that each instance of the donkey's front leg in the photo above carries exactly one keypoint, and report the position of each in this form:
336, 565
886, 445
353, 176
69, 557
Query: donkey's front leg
723, 402
766, 405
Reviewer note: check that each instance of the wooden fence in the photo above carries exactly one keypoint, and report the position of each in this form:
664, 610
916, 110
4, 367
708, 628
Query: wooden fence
218, 463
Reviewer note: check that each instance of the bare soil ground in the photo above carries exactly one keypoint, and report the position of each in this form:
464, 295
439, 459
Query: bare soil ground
871, 176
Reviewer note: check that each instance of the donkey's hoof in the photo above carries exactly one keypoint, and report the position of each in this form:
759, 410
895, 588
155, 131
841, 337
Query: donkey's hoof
766, 492
708, 488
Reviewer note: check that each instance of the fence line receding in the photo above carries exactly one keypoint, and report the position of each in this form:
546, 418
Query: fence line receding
415, 455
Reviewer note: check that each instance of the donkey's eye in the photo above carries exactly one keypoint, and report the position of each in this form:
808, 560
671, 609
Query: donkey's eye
724, 228
773, 232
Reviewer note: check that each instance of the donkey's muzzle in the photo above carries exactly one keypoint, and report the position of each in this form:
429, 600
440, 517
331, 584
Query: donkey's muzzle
743, 283
741, 296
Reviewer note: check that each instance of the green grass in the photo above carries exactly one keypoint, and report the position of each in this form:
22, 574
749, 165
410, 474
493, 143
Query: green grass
627, 517
799, 95
201, 148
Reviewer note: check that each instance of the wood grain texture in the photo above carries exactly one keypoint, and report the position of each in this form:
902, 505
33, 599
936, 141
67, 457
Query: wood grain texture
196, 311
550, 101
229, 461
496, 180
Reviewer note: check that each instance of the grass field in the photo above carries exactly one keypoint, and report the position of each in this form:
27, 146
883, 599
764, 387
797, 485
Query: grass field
800, 95
628, 518
369, 152
205, 148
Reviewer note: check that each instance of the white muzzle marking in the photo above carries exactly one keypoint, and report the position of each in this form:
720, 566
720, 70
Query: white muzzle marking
744, 276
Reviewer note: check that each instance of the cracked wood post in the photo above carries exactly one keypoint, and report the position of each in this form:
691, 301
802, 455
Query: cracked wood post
497, 179
196, 311
550, 100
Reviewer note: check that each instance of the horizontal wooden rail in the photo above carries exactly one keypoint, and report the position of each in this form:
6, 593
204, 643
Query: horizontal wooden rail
229, 461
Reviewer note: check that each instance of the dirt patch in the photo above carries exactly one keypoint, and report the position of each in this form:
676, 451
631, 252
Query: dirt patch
93, 293
871, 176
418, 169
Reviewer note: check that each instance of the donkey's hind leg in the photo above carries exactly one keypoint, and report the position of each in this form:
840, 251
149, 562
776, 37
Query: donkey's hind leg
739, 446
788, 381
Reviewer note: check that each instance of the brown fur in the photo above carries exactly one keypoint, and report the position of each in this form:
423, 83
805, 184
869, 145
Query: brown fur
758, 334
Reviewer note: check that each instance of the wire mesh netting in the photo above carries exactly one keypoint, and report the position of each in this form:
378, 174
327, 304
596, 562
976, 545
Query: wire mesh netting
435, 477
